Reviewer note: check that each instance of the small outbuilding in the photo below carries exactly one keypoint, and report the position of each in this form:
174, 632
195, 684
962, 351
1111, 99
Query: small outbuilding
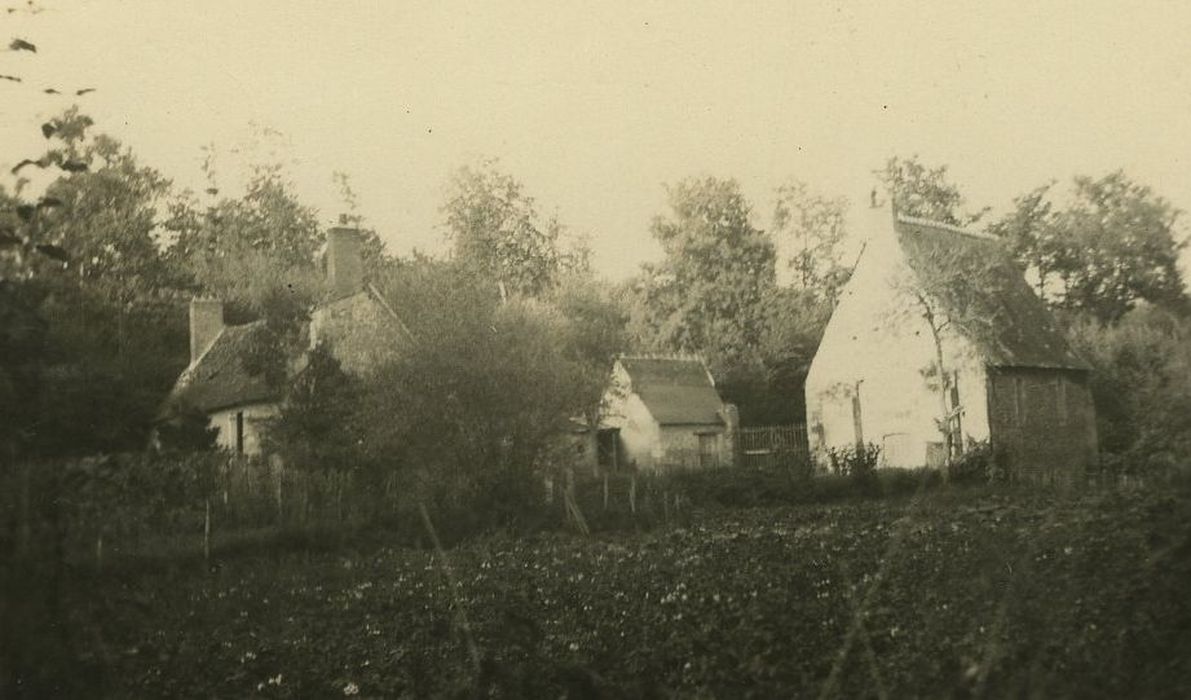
937, 344
663, 412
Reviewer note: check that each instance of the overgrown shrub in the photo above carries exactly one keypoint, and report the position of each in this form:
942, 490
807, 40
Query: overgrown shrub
1141, 387
858, 463
979, 464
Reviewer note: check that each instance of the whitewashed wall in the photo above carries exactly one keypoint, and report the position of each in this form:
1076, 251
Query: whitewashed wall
878, 344
225, 422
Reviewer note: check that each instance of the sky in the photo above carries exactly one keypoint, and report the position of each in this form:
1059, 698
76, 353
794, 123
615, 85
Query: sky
594, 107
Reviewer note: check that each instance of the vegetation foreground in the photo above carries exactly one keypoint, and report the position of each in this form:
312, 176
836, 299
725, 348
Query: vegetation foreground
957, 593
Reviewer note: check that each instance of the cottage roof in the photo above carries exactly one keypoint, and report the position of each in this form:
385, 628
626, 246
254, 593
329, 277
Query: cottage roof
677, 391
219, 378
1000, 314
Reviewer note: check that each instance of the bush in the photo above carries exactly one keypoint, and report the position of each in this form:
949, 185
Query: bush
857, 462
979, 464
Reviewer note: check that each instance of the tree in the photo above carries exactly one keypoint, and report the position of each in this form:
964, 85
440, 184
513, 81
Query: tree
496, 229
593, 333
111, 331
240, 250
474, 410
924, 192
815, 226
1116, 244
1141, 387
708, 294
318, 428
257, 255
1032, 235
105, 216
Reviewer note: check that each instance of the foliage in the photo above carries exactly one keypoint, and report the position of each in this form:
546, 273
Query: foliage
475, 406
106, 216
187, 429
496, 229
593, 332
96, 322
1116, 244
1141, 388
924, 192
706, 296
857, 462
317, 427
815, 225
979, 464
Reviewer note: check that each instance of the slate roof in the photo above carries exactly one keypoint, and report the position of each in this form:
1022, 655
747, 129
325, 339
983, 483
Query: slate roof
677, 391
219, 379
989, 298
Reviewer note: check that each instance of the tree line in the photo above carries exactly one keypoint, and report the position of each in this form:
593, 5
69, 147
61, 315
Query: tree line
514, 332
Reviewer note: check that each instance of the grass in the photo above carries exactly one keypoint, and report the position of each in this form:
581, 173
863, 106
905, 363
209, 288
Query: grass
963, 592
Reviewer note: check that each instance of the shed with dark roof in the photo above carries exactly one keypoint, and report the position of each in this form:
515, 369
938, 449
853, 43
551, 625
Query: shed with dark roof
663, 412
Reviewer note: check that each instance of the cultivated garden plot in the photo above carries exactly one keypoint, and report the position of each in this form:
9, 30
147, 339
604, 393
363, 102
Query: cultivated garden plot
954, 593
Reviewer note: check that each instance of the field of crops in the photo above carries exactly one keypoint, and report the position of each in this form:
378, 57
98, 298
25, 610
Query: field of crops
962, 593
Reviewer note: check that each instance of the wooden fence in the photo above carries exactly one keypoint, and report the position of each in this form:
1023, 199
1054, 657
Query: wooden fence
773, 447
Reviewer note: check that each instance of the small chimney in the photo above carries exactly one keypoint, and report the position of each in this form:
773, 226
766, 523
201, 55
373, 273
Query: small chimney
206, 322
345, 264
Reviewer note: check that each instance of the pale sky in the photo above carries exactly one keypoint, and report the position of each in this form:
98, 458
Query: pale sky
594, 106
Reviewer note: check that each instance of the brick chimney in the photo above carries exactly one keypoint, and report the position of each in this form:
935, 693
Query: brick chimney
206, 322
345, 264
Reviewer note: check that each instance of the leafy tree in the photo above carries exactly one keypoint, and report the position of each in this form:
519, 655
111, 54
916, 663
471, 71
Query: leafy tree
256, 254
794, 323
925, 192
317, 428
815, 226
708, 294
593, 332
105, 217
110, 330
496, 229
1115, 245
475, 408
1033, 237
241, 250
1141, 387
187, 430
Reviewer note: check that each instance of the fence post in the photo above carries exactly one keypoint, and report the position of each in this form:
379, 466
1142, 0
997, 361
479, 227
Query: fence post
605, 491
633, 493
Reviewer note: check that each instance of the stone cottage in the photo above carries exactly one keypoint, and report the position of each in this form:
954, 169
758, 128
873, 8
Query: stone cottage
938, 343
663, 412
353, 322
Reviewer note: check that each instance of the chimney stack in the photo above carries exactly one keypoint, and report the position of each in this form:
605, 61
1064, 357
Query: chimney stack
206, 322
345, 264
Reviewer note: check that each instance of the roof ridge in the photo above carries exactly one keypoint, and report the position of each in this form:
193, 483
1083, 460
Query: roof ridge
953, 228
677, 356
